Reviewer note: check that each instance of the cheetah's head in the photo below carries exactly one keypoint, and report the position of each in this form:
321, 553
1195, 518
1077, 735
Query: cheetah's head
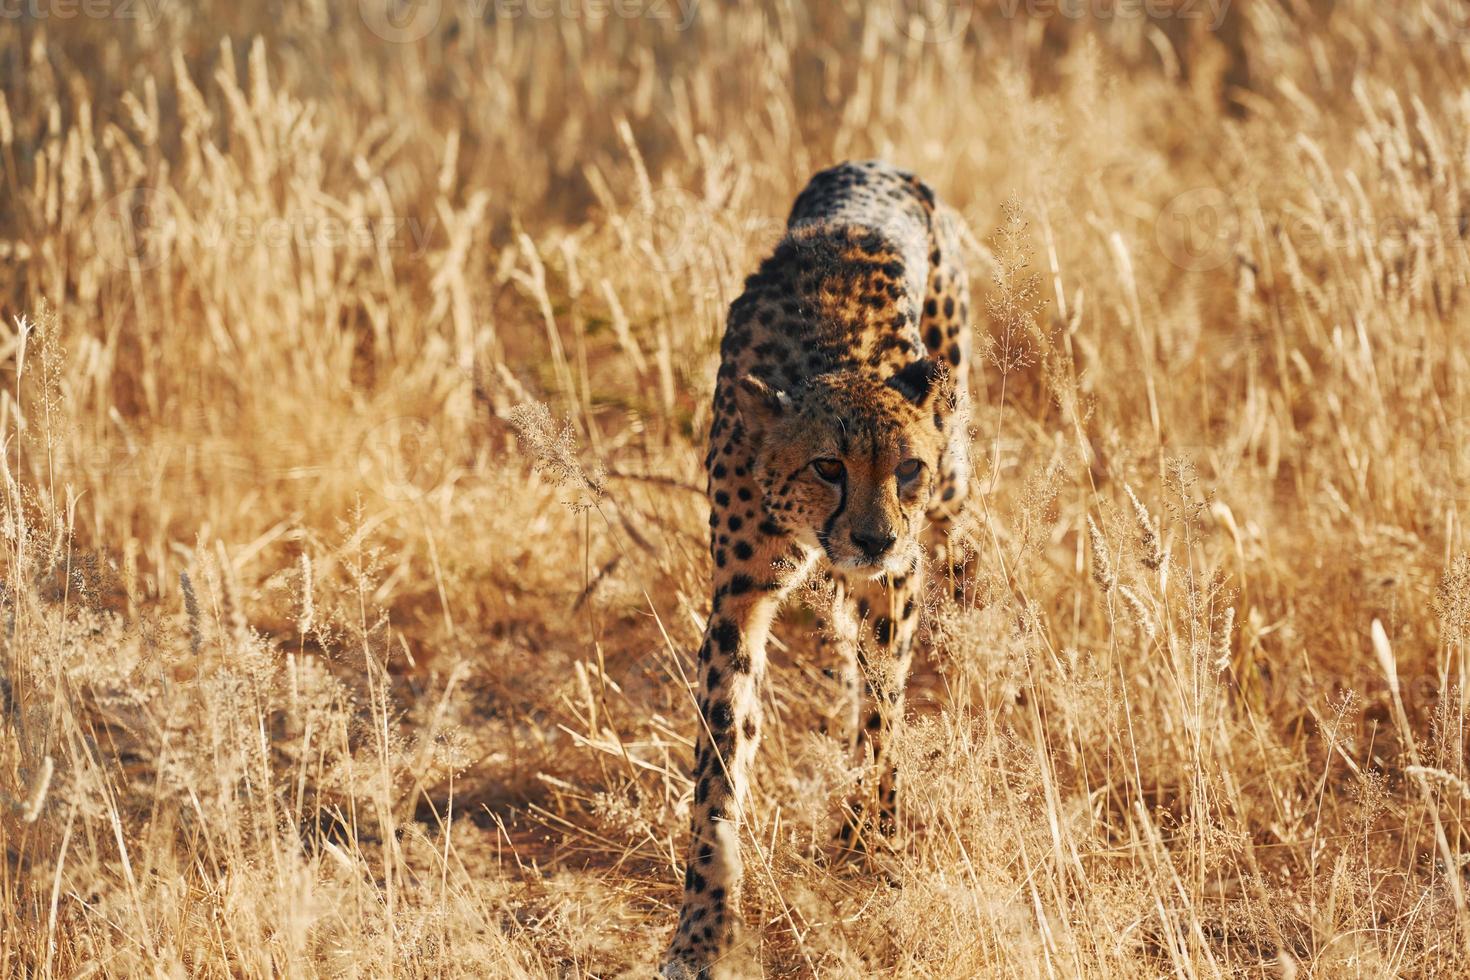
847, 462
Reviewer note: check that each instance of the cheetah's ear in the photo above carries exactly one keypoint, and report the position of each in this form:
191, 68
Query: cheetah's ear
760, 405
927, 383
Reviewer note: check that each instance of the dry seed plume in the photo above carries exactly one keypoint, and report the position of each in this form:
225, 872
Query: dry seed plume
191, 610
1140, 612
1102, 565
39, 787
1222, 638
308, 598
1150, 552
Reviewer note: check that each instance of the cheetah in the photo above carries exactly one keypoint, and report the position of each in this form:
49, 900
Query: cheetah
838, 442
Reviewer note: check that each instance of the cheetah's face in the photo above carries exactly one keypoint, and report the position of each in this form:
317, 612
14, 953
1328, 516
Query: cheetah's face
847, 463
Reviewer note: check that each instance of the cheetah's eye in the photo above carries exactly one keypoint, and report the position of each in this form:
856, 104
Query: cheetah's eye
830, 470
908, 470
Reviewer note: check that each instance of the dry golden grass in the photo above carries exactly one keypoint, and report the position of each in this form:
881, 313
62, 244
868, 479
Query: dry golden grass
352, 400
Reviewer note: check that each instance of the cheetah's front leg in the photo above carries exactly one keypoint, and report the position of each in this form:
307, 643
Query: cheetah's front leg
878, 620
732, 663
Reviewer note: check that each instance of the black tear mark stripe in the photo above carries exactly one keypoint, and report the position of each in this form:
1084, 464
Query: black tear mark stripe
841, 506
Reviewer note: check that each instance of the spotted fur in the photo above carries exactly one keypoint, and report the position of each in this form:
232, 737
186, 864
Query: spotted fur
838, 441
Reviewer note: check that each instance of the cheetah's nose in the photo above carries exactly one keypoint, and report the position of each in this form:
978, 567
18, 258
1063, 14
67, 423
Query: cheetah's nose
873, 543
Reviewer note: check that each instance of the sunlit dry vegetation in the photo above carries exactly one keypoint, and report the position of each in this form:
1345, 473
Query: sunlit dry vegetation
352, 400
